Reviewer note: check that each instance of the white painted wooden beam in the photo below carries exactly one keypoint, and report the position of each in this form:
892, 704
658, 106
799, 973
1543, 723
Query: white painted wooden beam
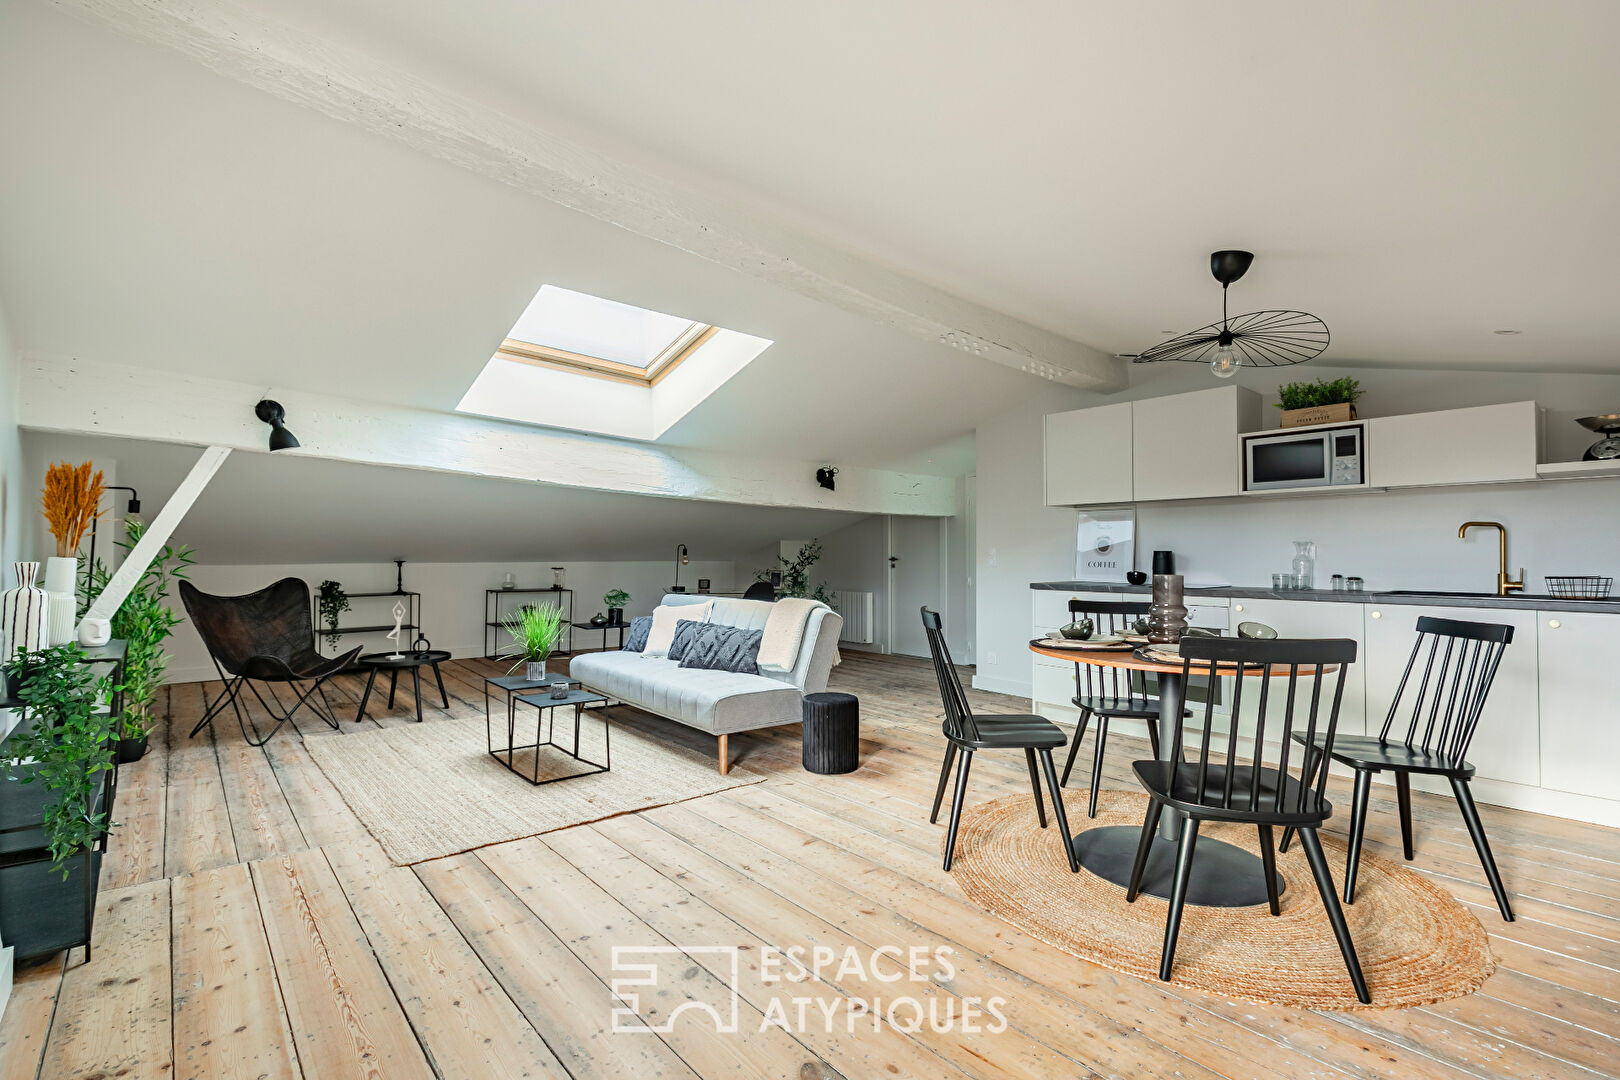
157, 534
87, 398
352, 87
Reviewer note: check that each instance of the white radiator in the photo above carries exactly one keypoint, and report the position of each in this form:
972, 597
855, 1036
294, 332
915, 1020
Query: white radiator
856, 608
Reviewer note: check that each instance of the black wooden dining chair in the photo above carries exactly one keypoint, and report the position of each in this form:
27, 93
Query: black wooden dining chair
264, 637
1108, 692
966, 733
1461, 662
1203, 789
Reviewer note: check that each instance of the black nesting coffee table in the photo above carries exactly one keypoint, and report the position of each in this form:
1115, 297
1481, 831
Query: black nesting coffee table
545, 721
414, 661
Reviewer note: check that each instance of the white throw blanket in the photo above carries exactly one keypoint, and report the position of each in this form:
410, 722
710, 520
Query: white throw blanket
784, 633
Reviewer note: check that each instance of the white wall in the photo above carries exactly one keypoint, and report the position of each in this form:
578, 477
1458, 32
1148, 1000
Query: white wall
14, 494
452, 597
1395, 540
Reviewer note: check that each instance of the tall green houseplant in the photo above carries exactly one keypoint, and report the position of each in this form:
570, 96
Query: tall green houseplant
796, 574
145, 620
69, 742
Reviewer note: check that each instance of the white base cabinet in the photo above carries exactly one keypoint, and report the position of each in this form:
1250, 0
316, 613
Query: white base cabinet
1580, 701
1305, 620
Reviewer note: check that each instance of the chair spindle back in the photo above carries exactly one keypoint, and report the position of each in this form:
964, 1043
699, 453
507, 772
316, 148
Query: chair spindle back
1109, 617
958, 715
1457, 672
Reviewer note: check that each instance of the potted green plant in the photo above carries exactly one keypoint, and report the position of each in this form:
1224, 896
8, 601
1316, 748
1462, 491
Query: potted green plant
796, 574
535, 630
144, 621
333, 602
66, 747
615, 600
1324, 401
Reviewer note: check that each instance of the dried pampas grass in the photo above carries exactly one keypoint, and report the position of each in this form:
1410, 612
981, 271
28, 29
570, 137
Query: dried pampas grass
72, 498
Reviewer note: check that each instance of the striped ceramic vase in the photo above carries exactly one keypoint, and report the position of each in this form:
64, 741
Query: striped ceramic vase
24, 614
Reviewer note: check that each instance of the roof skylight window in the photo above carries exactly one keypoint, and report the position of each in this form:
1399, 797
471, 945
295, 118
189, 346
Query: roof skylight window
577, 331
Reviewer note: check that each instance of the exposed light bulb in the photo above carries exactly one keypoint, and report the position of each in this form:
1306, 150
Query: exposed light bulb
1226, 361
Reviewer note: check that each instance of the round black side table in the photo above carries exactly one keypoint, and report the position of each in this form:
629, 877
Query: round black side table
832, 733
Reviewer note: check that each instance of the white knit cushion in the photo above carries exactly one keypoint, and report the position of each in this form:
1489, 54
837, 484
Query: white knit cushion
665, 616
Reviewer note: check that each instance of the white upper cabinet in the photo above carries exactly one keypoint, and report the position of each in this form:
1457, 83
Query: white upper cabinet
1185, 446
1580, 686
1484, 445
1088, 456
1507, 744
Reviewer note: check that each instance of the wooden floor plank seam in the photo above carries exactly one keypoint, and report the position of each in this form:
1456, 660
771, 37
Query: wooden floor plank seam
281, 989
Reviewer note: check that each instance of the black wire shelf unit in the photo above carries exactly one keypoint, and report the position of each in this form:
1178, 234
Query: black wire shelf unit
494, 612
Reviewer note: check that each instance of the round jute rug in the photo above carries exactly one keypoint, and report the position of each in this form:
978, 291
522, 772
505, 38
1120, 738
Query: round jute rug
1416, 944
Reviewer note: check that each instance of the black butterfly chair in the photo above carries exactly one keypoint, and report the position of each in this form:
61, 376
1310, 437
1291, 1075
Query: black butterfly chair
968, 733
1254, 794
263, 637
1445, 712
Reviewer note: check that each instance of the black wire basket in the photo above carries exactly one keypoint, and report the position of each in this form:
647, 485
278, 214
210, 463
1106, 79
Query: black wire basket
1579, 587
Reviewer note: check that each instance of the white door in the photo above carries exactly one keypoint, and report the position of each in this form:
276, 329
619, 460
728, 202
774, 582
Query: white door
917, 578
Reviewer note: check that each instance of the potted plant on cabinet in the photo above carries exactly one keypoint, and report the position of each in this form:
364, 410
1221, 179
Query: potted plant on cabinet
59, 788
615, 600
144, 621
1324, 401
535, 630
796, 574
333, 602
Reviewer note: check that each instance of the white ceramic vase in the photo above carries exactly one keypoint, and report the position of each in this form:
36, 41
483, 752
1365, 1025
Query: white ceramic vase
61, 575
534, 672
24, 614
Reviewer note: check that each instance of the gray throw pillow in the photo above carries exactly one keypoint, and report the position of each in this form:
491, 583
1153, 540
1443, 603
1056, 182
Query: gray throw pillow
724, 648
684, 629
635, 639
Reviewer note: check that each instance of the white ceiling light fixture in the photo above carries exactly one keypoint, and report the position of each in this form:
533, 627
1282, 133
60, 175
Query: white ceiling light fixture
1257, 339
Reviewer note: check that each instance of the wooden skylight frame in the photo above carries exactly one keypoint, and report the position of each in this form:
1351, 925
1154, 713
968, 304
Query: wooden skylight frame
676, 353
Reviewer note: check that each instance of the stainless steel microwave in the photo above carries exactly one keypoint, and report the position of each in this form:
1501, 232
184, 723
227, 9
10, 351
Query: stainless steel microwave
1313, 457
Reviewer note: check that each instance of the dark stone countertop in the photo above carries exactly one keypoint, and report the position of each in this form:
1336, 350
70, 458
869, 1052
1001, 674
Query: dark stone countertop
1533, 602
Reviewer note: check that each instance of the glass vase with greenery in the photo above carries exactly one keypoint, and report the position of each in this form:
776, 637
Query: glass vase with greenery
144, 621
333, 602
67, 747
535, 631
796, 574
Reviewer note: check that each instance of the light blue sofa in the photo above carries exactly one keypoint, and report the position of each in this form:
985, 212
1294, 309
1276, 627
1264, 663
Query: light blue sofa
719, 702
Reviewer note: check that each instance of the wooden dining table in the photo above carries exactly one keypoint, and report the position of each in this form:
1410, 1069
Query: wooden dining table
1223, 875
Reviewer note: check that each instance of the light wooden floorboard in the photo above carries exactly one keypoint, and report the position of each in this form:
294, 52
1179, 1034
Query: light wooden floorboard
249, 926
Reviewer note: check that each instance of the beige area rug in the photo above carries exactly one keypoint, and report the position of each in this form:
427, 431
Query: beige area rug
429, 790
1416, 944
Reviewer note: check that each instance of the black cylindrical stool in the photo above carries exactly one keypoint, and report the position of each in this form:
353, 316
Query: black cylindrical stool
832, 733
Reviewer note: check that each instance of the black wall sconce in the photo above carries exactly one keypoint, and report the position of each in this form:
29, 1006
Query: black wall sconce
273, 414
824, 476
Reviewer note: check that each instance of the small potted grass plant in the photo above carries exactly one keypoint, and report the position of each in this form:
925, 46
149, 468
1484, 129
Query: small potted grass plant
615, 600
1324, 401
535, 630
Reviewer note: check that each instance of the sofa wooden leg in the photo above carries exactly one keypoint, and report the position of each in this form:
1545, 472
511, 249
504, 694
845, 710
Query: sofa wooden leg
725, 761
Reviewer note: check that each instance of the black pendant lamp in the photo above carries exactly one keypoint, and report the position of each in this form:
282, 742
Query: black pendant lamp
1258, 339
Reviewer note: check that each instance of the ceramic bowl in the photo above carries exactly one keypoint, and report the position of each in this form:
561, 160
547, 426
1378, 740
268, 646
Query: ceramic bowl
1077, 631
1259, 631
1137, 577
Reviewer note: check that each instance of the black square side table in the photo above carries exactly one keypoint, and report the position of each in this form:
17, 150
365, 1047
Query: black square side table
513, 685
545, 710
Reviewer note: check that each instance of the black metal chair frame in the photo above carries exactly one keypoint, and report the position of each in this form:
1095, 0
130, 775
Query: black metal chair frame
966, 733
1436, 740
1099, 695
1255, 794
238, 670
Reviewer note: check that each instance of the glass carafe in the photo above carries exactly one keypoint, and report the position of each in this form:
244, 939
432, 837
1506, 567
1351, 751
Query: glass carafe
1304, 565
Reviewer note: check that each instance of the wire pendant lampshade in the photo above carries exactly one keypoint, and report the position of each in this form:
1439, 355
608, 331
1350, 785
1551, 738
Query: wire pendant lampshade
1257, 339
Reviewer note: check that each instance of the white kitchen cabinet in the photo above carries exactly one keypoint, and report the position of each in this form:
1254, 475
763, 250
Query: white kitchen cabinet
1483, 445
1580, 689
1300, 619
1088, 456
1507, 743
1185, 446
